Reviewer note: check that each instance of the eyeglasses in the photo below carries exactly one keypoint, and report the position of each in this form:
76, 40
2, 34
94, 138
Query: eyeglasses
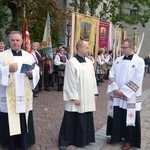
124, 47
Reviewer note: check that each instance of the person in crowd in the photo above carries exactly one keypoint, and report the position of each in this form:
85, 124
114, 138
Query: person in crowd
77, 126
48, 69
147, 63
51, 75
38, 59
18, 76
100, 61
68, 52
2, 45
108, 63
125, 89
55, 68
60, 63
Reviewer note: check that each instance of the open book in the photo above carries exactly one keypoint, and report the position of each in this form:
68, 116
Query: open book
27, 67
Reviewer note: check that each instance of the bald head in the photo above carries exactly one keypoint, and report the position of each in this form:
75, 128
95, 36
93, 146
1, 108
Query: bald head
82, 48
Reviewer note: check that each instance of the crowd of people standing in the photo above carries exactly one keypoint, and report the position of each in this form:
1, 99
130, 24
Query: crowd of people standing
52, 69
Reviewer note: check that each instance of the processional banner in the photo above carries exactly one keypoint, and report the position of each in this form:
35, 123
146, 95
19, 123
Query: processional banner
117, 43
104, 35
85, 28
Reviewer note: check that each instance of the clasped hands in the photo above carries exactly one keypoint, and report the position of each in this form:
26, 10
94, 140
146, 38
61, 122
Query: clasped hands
118, 93
13, 67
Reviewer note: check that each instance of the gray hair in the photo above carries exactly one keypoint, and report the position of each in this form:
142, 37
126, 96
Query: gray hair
37, 43
15, 32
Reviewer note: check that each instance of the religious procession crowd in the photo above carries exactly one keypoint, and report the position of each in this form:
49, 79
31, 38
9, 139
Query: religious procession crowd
24, 74
52, 69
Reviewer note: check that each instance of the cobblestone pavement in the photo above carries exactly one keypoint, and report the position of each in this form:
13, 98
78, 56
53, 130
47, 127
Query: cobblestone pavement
48, 113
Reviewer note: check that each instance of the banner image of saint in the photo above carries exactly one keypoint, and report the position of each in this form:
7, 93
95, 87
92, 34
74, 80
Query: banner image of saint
85, 31
103, 32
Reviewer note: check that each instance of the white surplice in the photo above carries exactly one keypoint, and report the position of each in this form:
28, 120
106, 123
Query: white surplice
79, 83
5, 79
127, 76
19, 99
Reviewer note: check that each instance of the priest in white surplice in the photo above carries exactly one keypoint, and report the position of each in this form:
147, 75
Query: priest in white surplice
16, 97
79, 93
125, 89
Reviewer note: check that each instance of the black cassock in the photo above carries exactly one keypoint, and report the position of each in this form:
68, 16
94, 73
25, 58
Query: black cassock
23, 140
116, 127
77, 128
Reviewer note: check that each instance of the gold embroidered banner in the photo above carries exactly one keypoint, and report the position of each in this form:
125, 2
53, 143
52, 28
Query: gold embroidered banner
85, 28
117, 43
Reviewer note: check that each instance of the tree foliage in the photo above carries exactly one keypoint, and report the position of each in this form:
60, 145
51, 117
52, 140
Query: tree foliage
118, 11
36, 14
3, 20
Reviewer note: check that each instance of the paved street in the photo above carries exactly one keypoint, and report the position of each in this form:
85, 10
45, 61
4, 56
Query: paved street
49, 109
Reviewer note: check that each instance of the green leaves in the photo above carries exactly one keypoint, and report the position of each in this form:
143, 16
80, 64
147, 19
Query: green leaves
119, 10
36, 14
4, 16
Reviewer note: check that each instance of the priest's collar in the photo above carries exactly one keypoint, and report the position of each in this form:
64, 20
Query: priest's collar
129, 57
17, 53
80, 59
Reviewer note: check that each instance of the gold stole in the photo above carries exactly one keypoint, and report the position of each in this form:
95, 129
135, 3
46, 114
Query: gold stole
13, 117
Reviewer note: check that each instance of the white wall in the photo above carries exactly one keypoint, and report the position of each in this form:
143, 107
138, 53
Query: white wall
145, 49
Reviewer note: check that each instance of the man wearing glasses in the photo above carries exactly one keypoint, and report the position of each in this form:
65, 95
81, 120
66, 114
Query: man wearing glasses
125, 89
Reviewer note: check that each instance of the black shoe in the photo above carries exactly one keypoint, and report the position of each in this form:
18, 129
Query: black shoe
62, 147
47, 89
109, 141
59, 90
36, 92
101, 81
34, 95
98, 84
52, 85
40, 89
127, 146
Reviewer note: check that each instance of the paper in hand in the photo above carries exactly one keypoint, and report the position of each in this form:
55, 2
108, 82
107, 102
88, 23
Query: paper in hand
27, 67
